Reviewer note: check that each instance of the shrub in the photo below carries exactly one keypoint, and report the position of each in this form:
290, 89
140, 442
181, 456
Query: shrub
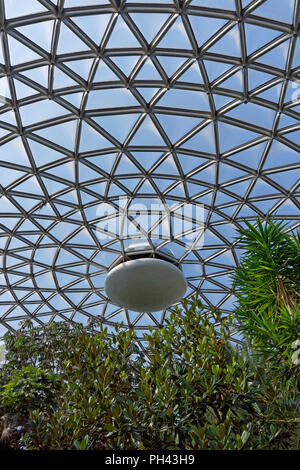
194, 390
267, 285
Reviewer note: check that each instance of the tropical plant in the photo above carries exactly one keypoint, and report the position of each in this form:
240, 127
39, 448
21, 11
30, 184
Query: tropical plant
267, 286
28, 389
29, 376
41, 346
195, 389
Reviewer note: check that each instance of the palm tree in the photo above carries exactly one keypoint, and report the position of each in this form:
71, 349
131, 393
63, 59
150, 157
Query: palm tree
267, 286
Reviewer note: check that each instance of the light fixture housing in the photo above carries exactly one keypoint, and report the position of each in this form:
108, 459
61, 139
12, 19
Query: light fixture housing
145, 280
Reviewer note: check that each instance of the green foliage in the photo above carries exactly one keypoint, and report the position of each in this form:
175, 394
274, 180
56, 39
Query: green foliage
28, 388
267, 285
40, 346
207, 389
194, 390
30, 377
98, 377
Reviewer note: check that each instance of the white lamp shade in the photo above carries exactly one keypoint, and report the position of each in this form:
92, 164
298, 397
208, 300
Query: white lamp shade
145, 285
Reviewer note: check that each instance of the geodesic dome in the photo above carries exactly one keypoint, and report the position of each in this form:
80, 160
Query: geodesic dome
166, 121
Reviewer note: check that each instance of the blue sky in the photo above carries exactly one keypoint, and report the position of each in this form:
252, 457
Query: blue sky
90, 129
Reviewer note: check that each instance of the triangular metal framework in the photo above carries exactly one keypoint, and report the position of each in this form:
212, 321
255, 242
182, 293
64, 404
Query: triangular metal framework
107, 103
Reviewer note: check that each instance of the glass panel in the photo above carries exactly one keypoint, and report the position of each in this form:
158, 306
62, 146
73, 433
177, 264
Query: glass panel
152, 107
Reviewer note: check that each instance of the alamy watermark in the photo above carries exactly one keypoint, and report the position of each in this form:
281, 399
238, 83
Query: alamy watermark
141, 219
